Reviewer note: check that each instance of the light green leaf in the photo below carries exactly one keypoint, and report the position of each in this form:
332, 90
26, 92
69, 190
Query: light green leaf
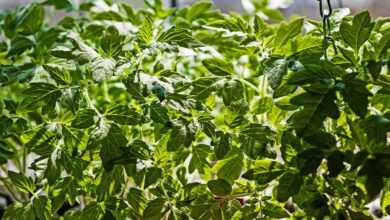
385, 198
198, 160
218, 66
230, 167
287, 31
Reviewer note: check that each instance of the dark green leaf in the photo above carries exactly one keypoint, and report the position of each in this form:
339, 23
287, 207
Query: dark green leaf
85, 118
158, 113
219, 187
358, 32
124, 115
264, 171
289, 185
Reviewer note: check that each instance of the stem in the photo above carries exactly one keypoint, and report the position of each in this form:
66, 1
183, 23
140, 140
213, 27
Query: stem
253, 87
105, 92
24, 161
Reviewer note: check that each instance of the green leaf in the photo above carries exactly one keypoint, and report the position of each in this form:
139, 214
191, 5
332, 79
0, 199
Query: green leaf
60, 4
357, 33
177, 138
199, 156
43, 92
335, 163
254, 140
377, 127
21, 182
158, 113
179, 36
260, 27
289, 185
274, 210
218, 66
383, 45
275, 69
230, 167
356, 95
42, 207
31, 19
309, 160
113, 149
61, 76
385, 198
317, 107
152, 175
102, 68
290, 144
264, 171
287, 32
137, 200
155, 209
197, 10
203, 87
232, 91
123, 115
19, 45
219, 187
222, 146
146, 31
85, 118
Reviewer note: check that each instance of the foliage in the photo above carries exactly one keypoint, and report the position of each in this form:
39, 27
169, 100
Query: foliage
191, 113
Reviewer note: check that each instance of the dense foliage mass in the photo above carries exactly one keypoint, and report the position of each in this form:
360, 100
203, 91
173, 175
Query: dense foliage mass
160, 113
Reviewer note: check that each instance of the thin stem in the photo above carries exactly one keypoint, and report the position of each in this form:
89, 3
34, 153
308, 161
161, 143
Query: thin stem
253, 87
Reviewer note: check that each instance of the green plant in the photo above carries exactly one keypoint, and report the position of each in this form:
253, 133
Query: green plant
192, 114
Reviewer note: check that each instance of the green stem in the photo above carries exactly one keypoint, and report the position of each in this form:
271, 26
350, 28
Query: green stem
250, 85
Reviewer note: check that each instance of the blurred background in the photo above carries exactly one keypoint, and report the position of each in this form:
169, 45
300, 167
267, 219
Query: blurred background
302, 7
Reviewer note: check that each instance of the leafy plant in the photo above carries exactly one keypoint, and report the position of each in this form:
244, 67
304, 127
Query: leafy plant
191, 113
